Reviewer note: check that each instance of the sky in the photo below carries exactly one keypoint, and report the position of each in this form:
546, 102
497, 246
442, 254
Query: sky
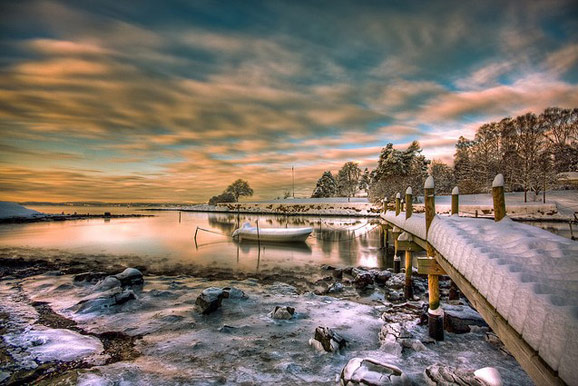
171, 101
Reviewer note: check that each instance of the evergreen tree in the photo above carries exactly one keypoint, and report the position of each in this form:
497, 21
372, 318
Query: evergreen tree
326, 186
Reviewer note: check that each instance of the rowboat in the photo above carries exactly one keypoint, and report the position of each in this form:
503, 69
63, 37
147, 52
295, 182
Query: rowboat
247, 232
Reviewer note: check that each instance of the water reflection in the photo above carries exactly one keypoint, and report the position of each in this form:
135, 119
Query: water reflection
169, 238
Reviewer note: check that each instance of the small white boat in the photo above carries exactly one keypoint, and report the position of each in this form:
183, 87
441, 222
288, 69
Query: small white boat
247, 232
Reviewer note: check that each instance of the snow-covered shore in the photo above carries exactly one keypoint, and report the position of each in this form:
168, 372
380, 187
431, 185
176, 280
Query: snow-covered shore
171, 342
10, 210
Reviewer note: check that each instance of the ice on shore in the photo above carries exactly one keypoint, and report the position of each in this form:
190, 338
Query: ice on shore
14, 210
240, 343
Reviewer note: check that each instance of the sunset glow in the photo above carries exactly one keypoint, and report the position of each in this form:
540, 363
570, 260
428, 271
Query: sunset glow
172, 101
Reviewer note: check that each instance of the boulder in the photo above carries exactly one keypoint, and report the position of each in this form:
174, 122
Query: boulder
329, 340
366, 371
396, 281
459, 318
209, 300
381, 277
130, 276
284, 313
438, 374
361, 278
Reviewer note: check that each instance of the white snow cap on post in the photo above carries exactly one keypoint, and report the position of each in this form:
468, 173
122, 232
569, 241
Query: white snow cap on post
398, 195
429, 183
408, 190
498, 181
455, 191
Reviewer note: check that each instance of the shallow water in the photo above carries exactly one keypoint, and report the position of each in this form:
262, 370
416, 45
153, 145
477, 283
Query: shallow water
169, 237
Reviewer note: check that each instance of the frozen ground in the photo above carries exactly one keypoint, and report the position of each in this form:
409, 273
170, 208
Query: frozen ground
238, 344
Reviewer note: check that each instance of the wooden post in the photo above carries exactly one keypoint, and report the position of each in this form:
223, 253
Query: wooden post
385, 204
435, 312
381, 240
456, 201
397, 203
408, 288
498, 196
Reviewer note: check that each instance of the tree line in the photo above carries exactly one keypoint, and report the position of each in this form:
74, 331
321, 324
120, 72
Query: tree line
529, 150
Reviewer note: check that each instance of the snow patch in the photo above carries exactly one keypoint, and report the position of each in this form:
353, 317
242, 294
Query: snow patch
498, 181
12, 210
429, 183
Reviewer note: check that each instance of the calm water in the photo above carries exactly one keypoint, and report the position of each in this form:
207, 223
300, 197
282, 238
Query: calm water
335, 241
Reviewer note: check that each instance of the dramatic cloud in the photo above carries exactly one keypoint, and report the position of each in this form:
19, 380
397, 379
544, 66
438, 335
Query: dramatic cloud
116, 101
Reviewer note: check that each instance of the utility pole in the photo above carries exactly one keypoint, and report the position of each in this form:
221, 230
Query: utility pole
293, 174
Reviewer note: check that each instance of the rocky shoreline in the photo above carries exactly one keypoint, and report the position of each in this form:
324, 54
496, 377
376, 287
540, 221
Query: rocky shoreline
317, 326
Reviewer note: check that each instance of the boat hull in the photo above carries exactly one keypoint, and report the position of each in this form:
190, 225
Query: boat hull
278, 235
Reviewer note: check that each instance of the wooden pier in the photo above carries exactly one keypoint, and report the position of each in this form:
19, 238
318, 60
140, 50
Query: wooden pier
546, 351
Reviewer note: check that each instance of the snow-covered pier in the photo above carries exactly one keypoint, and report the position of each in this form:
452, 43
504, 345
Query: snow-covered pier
520, 278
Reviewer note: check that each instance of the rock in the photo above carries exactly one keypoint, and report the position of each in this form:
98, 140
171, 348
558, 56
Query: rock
458, 319
335, 287
391, 337
327, 267
209, 300
284, 313
438, 374
361, 278
396, 281
130, 276
330, 340
233, 293
108, 283
366, 371
381, 277
227, 329
489, 375
103, 300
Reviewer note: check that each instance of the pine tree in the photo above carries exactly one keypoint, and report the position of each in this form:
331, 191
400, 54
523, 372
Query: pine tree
326, 186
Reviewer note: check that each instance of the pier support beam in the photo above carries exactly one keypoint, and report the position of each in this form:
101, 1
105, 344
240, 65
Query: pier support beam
435, 312
408, 286
454, 290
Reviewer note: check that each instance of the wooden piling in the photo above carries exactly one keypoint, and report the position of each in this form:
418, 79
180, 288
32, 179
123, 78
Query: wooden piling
455, 201
397, 204
435, 313
498, 196
408, 287
381, 239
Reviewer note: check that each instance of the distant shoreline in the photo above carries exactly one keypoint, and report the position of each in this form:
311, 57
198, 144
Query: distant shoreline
67, 217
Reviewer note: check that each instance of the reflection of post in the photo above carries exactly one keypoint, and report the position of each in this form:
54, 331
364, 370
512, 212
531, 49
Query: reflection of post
435, 312
408, 288
179, 216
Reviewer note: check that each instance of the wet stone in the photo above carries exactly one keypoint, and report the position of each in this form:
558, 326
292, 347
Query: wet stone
328, 339
130, 276
209, 300
459, 318
282, 312
438, 374
381, 277
366, 371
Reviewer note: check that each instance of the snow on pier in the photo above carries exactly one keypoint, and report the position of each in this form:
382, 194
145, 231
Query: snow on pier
527, 275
